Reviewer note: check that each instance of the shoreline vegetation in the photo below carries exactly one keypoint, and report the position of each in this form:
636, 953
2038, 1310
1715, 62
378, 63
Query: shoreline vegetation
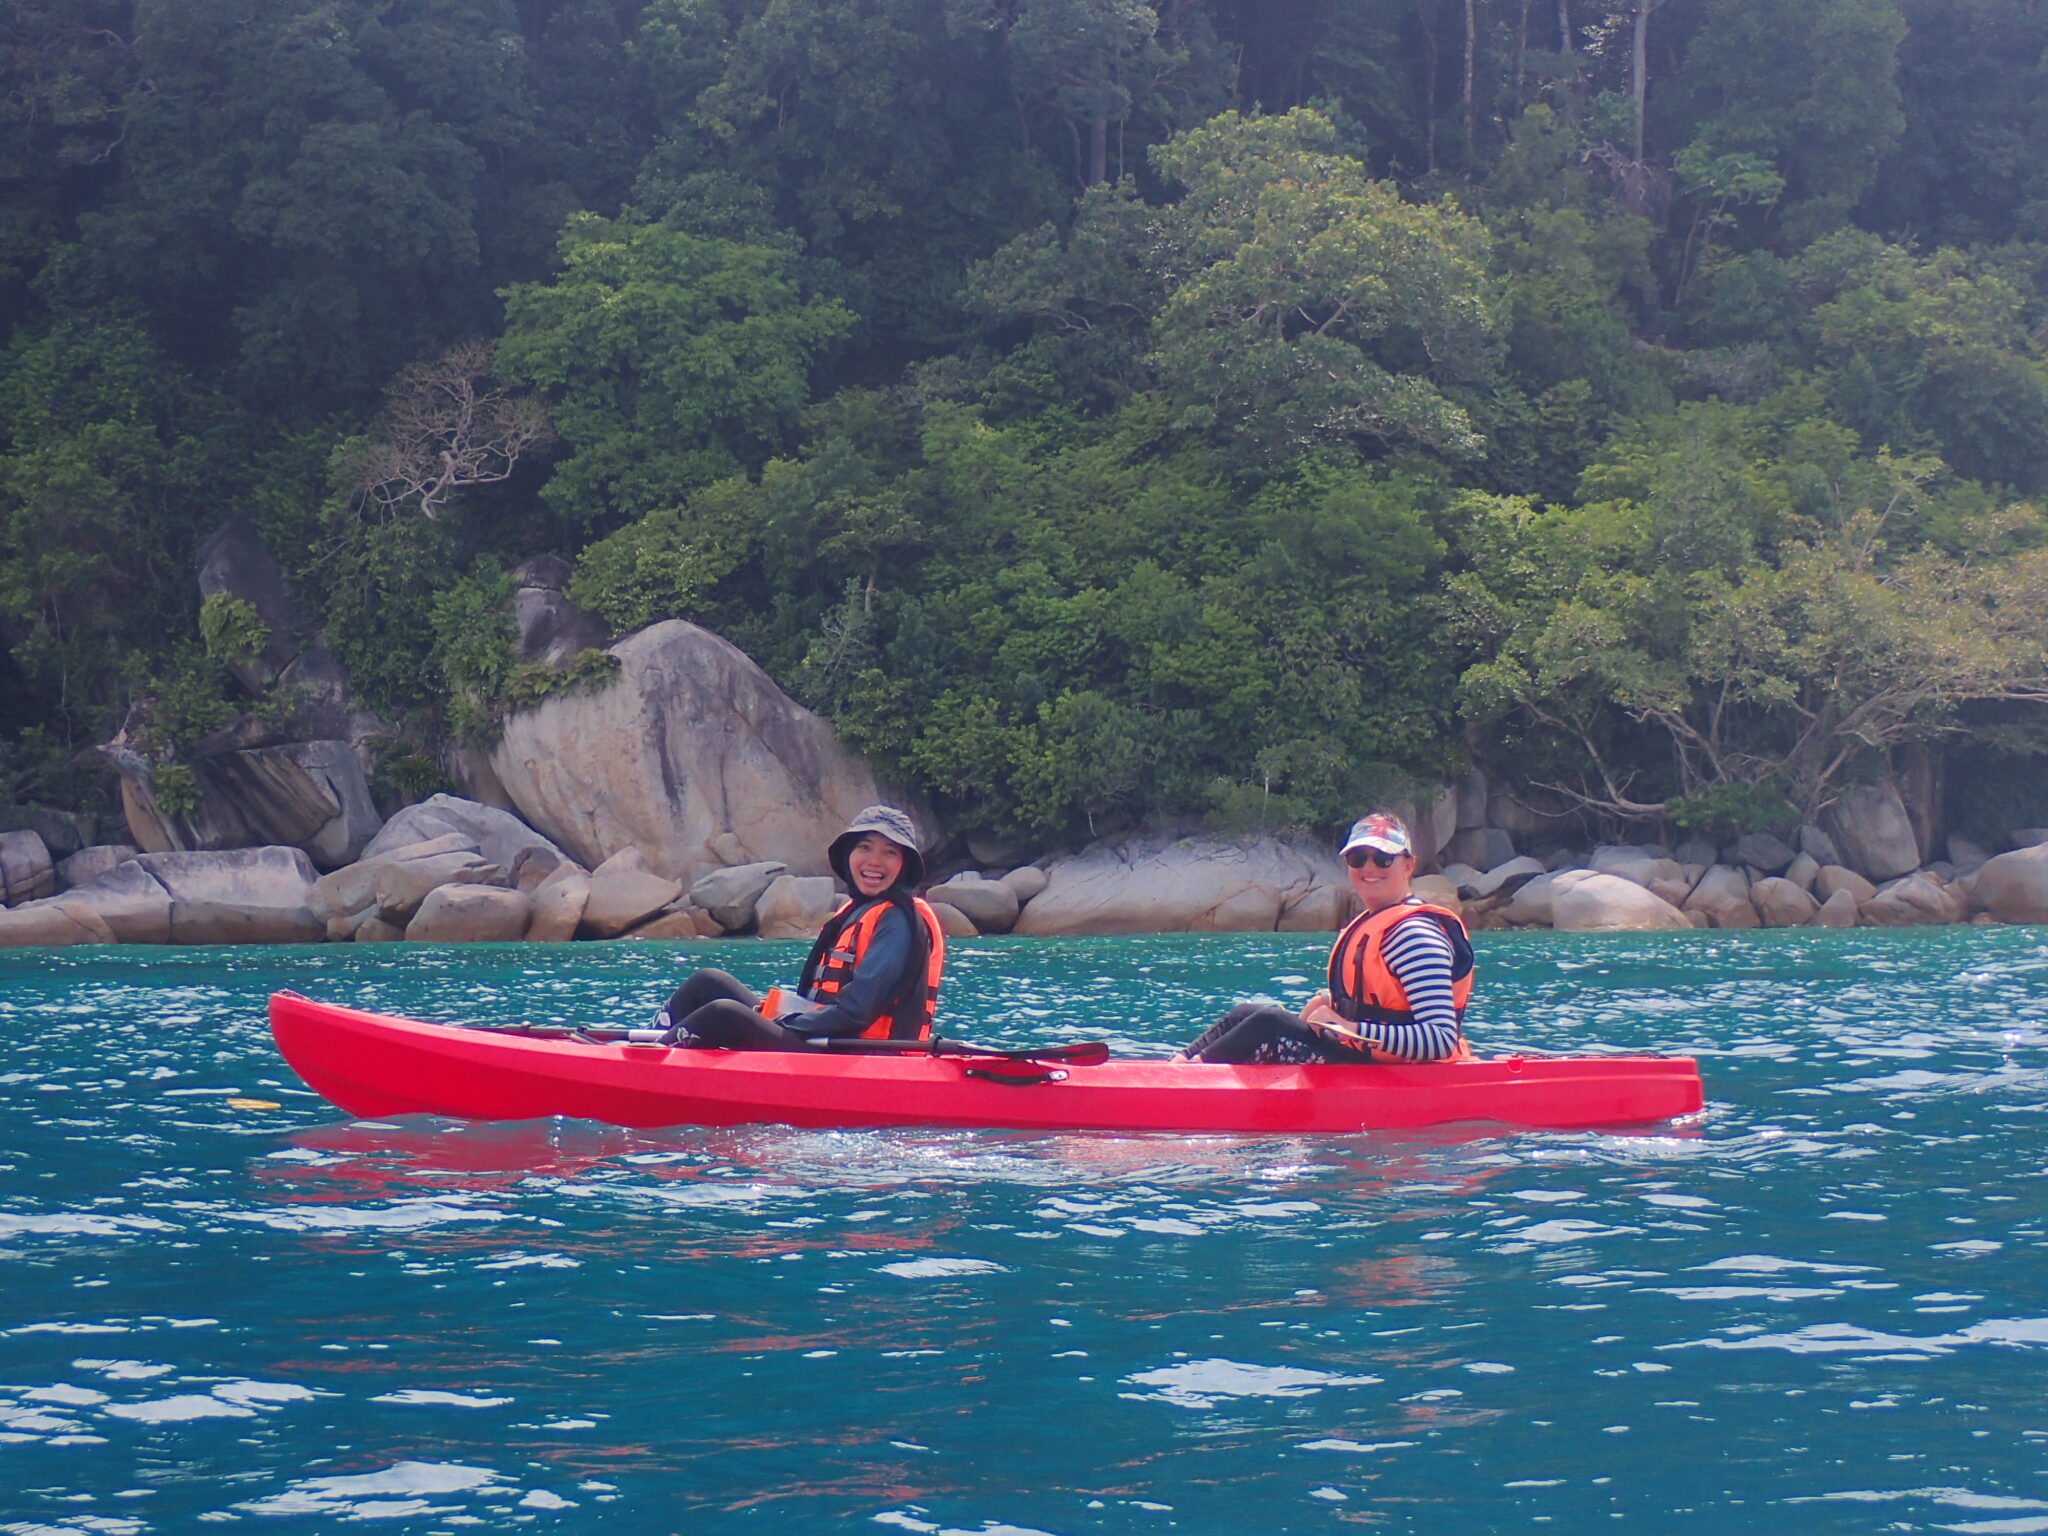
1137, 437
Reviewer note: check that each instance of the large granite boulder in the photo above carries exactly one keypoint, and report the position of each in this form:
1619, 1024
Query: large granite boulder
1586, 901
1870, 825
53, 922
1201, 884
1481, 847
1505, 879
1760, 851
220, 896
502, 838
1647, 866
27, 872
558, 904
1802, 871
1912, 901
691, 741
90, 863
254, 790
1783, 903
1830, 878
796, 906
954, 923
470, 914
988, 904
730, 895
130, 901
62, 832
1025, 882
1722, 896
1532, 904
1838, 911
624, 893
2013, 887
362, 887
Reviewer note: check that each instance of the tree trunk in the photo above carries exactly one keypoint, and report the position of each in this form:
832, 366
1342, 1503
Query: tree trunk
1098, 151
1471, 48
1640, 76
1429, 68
1564, 27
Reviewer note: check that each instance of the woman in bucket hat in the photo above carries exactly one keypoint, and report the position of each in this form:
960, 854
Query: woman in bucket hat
873, 973
1399, 975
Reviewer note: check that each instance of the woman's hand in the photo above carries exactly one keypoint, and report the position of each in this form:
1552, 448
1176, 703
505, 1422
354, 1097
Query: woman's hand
1319, 1011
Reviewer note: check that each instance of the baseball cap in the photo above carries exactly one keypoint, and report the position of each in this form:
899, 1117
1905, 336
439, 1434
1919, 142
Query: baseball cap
1380, 831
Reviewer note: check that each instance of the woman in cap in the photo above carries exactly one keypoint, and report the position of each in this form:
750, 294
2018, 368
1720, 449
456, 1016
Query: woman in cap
873, 973
1399, 975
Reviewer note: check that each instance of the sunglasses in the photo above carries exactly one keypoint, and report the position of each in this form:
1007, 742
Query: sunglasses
1358, 858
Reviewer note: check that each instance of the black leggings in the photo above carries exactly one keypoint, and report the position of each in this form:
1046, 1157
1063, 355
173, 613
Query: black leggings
1262, 1032
718, 1009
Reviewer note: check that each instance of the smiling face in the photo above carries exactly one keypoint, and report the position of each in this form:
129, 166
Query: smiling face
875, 864
1377, 887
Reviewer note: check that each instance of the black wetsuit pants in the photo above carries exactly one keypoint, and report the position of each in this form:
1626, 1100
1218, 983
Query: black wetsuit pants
1262, 1032
719, 1010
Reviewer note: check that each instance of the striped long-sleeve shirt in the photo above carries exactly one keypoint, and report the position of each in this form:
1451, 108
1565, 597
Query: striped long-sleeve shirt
1418, 952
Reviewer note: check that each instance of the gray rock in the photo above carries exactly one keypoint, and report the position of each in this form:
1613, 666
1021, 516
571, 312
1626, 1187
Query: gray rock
690, 741
498, 835
88, 864
1530, 906
470, 914
558, 904
1606, 855
533, 865
1912, 901
375, 930
1463, 878
1696, 850
236, 895
1436, 889
255, 790
1802, 870
1818, 845
1869, 824
353, 888
131, 901
53, 923
796, 906
729, 895
2013, 888
1838, 911
1585, 901
1663, 877
26, 870
1833, 877
62, 832
1506, 879
1783, 903
553, 631
1481, 847
1965, 854
1760, 851
623, 897
726, 849
2030, 837
1722, 896
953, 923
1558, 859
989, 905
1025, 882
1204, 884
399, 885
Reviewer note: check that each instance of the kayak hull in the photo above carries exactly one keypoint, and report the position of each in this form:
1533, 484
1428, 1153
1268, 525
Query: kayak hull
374, 1065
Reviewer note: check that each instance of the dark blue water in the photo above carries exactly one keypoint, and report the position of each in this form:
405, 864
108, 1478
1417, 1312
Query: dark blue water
1823, 1308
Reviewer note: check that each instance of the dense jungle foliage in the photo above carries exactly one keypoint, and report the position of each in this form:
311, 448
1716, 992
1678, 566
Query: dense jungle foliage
1100, 410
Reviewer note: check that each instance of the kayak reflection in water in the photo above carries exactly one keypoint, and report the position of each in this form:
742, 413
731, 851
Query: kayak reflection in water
873, 974
1398, 978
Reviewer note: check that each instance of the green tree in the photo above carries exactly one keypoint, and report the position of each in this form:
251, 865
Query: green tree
674, 360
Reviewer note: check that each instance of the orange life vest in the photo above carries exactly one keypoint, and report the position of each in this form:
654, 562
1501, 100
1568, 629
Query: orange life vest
1363, 988
911, 1020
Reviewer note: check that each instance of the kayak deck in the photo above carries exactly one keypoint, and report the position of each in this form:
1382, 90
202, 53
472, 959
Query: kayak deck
374, 1065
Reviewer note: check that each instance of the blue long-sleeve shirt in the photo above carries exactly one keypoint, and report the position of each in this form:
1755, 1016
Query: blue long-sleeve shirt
868, 990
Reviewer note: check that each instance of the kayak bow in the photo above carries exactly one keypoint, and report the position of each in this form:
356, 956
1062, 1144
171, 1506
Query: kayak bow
373, 1065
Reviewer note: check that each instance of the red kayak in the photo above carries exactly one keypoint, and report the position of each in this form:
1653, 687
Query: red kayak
373, 1065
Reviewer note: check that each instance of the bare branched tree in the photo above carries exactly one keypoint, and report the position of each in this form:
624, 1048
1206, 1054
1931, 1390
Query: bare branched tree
446, 426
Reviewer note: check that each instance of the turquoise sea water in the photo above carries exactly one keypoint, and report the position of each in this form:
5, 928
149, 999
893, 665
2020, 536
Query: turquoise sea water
1822, 1308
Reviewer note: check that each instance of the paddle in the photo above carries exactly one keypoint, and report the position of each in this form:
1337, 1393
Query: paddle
1078, 1053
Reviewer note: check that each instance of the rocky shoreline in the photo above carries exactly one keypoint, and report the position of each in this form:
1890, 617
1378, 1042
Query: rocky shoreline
688, 797
451, 870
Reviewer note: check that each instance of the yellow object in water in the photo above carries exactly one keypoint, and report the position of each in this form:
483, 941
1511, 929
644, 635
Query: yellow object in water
253, 1104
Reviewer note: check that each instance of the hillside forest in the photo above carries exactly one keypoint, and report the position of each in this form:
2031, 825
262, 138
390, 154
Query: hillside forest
1104, 413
